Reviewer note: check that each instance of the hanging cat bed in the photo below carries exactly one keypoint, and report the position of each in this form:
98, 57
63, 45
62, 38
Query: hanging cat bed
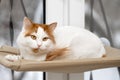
67, 66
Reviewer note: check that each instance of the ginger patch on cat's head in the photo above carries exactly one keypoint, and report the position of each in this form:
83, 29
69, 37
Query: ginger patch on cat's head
31, 27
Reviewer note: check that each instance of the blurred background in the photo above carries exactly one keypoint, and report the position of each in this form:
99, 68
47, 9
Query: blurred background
99, 16
103, 18
112, 14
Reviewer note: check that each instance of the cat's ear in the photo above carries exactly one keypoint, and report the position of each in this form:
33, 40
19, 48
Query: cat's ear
27, 23
52, 26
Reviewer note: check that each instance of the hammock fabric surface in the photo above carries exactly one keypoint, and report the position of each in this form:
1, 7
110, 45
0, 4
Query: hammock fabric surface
64, 66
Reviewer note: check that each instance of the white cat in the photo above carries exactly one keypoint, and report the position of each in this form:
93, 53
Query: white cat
49, 42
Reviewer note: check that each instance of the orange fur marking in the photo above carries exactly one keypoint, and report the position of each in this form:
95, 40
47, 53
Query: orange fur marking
104, 56
55, 53
34, 26
35, 50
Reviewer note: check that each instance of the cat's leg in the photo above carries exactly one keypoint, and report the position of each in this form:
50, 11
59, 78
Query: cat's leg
13, 57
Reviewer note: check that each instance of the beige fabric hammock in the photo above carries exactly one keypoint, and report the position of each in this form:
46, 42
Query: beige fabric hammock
66, 66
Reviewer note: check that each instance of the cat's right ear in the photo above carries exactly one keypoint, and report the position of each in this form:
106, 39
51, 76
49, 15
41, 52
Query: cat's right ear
52, 26
27, 23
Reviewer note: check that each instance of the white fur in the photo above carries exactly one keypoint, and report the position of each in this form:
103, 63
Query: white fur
81, 42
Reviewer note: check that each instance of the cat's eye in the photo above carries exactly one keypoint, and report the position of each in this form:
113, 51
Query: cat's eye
45, 38
33, 37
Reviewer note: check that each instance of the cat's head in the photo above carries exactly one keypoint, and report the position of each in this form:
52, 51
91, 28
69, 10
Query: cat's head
38, 37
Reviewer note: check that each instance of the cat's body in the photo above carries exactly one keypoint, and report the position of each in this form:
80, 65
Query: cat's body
80, 42
45, 42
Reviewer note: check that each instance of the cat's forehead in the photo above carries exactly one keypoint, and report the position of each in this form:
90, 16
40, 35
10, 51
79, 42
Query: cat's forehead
40, 30
35, 29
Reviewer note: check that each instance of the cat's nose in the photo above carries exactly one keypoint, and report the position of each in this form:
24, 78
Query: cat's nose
39, 45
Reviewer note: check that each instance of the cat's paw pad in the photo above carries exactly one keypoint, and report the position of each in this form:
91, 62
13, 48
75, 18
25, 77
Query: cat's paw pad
12, 57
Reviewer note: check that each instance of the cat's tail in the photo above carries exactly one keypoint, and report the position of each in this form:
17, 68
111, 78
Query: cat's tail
106, 42
102, 52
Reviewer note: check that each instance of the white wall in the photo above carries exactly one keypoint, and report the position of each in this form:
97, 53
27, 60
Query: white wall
65, 12
54, 11
77, 13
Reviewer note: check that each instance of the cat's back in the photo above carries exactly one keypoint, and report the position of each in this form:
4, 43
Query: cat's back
69, 32
80, 41
65, 30
66, 34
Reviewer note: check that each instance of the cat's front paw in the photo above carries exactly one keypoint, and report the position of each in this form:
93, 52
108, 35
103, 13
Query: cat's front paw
13, 57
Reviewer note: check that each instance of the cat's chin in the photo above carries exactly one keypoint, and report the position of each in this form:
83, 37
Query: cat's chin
35, 50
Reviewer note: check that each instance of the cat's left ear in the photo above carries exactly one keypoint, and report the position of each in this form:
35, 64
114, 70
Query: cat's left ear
27, 23
52, 26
